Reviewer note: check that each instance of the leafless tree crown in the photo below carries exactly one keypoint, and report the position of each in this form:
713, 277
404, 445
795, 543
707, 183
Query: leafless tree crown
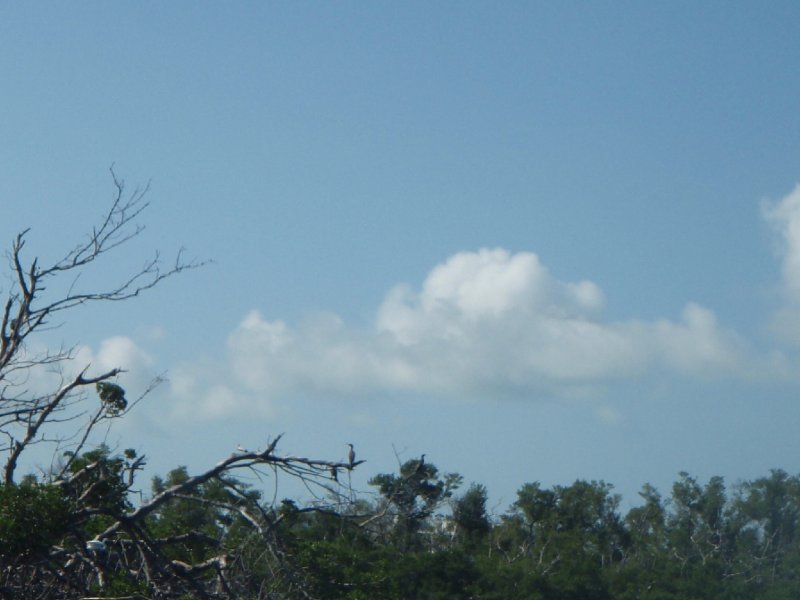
45, 398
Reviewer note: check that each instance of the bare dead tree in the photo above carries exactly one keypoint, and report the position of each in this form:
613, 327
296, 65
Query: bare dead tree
92, 538
28, 409
149, 557
130, 548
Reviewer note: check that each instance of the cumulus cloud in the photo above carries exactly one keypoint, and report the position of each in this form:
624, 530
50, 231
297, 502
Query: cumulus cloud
485, 322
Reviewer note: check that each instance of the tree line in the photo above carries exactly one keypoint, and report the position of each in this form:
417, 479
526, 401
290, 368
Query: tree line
419, 535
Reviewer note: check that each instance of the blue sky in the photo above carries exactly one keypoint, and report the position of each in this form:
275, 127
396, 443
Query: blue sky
536, 241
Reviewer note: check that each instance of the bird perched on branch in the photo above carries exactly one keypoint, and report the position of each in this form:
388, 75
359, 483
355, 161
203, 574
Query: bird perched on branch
420, 464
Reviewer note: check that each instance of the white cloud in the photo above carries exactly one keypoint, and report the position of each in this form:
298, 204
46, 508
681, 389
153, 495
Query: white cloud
784, 217
117, 352
45, 376
698, 345
213, 402
122, 352
209, 391
482, 323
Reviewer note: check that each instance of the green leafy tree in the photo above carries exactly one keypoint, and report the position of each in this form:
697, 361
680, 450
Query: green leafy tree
470, 517
33, 517
766, 512
411, 497
570, 534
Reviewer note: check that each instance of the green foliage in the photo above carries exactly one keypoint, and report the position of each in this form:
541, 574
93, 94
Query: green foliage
112, 396
203, 513
120, 585
558, 543
448, 574
470, 517
420, 540
97, 480
570, 532
348, 566
32, 517
412, 497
